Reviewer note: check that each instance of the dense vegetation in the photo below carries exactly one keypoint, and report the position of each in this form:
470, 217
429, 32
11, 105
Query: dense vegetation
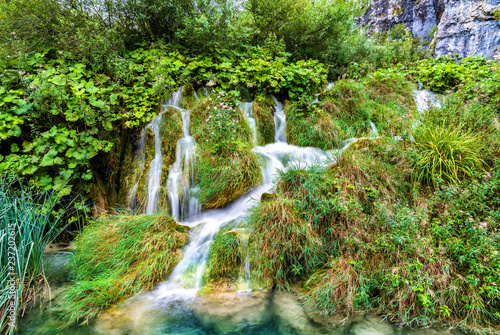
404, 224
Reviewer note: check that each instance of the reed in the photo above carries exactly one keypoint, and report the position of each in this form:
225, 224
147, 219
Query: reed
27, 225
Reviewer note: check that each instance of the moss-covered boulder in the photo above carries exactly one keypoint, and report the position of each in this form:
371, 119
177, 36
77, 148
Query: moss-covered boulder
263, 113
226, 167
348, 109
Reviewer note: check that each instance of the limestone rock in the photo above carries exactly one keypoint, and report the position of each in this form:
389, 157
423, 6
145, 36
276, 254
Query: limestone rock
464, 27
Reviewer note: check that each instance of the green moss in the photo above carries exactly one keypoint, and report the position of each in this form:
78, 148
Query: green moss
170, 134
224, 260
308, 126
226, 167
263, 113
224, 179
346, 110
142, 170
188, 99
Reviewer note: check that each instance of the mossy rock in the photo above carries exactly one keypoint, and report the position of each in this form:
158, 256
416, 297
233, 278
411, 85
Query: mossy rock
226, 167
264, 119
118, 256
224, 258
267, 197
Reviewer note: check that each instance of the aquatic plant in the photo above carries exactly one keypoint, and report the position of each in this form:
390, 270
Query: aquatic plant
28, 223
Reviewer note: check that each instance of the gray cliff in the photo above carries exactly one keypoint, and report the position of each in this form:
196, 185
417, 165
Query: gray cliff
464, 27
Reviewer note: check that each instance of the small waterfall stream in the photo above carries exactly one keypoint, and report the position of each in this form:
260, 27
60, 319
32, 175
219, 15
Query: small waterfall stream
279, 122
246, 107
243, 235
154, 177
187, 277
182, 195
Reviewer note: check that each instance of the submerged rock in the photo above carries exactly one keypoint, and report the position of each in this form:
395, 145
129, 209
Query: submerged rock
227, 312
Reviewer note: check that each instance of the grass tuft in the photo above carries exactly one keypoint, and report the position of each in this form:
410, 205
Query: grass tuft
117, 256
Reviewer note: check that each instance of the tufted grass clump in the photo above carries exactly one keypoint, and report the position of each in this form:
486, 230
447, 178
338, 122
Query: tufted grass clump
224, 258
376, 242
117, 256
448, 154
346, 110
284, 245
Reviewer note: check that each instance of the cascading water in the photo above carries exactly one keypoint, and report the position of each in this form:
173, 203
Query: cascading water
182, 195
373, 130
246, 107
425, 99
187, 277
243, 235
279, 122
154, 177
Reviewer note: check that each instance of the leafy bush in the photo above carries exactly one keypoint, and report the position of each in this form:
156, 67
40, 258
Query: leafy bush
447, 73
118, 256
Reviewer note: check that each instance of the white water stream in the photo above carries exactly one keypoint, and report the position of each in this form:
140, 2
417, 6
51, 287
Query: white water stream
182, 194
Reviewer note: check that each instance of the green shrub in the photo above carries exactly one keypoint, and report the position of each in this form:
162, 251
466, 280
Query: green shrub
118, 256
448, 154
448, 73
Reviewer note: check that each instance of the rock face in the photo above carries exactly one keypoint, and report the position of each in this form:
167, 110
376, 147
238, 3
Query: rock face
464, 27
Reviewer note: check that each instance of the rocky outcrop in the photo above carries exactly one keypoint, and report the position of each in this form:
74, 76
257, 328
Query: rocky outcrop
468, 27
464, 27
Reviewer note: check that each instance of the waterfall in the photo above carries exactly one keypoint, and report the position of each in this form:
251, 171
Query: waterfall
187, 277
425, 99
182, 195
279, 122
246, 107
373, 130
243, 235
154, 177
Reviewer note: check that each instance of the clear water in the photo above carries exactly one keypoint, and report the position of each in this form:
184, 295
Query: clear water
263, 312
